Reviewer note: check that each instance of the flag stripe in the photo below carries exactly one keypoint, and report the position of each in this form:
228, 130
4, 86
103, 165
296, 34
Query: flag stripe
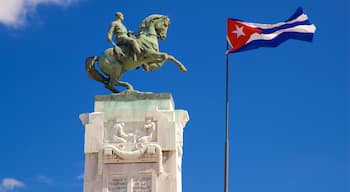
286, 26
297, 13
298, 29
277, 41
300, 18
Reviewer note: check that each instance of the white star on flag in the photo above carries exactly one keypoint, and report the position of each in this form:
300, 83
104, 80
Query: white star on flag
239, 31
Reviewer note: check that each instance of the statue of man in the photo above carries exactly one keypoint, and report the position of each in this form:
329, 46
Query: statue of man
118, 29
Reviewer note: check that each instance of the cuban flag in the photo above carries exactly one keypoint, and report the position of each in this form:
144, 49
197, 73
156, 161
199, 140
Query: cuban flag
244, 36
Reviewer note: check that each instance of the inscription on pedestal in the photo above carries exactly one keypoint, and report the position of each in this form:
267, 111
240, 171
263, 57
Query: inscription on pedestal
142, 184
118, 184
138, 184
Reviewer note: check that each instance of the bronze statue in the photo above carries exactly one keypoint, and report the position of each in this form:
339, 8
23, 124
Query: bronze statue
118, 29
132, 52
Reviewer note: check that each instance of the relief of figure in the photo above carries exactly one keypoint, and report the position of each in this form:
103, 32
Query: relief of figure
150, 127
134, 143
121, 34
120, 136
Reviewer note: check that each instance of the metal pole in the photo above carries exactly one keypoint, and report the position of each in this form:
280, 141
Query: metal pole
227, 120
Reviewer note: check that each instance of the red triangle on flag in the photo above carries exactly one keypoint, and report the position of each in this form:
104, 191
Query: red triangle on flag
238, 34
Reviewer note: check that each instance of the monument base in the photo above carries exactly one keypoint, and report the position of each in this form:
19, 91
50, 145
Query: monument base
133, 143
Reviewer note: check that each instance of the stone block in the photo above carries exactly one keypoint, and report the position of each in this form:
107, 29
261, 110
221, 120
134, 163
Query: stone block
133, 143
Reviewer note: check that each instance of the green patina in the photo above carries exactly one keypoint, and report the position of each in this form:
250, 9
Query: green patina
133, 51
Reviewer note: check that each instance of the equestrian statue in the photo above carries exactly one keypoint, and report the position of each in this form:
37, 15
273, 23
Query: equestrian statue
131, 51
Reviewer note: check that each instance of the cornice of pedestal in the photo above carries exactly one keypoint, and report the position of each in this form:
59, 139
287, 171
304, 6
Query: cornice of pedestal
134, 96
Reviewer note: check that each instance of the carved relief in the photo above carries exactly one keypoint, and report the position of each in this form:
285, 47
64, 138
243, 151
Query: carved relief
131, 132
120, 136
132, 142
149, 128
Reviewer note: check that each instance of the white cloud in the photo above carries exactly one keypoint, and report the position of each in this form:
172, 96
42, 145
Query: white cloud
44, 179
9, 184
14, 13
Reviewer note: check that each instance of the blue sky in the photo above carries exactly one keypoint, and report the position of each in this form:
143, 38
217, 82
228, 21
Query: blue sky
289, 120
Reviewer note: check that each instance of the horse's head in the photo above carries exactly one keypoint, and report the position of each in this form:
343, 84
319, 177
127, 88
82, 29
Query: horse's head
155, 25
161, 26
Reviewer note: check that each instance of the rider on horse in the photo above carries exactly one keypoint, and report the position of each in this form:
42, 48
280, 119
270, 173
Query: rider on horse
118, 29
113, 63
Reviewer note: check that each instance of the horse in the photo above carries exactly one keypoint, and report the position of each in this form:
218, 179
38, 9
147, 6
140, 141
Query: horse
114, 65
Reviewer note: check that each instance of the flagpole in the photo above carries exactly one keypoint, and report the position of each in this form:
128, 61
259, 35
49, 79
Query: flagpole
227, 120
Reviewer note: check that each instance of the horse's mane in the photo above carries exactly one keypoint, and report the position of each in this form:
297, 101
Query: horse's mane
145, 23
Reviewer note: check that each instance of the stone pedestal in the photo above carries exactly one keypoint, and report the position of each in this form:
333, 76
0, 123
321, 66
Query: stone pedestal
133, 143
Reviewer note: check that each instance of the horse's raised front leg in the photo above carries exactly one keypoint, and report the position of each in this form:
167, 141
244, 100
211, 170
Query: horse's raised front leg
177, 62
159, 59
151, 66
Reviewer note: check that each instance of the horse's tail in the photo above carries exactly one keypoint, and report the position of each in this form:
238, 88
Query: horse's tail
92, 72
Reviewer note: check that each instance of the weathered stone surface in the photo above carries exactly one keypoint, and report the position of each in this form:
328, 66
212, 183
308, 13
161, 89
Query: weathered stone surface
133, 143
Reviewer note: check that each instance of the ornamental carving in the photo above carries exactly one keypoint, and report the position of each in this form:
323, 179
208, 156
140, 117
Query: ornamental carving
132, 142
